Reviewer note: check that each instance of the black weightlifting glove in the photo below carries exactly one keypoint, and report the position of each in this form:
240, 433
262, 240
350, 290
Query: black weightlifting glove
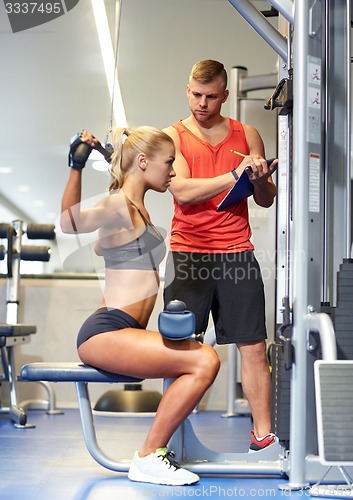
79, 152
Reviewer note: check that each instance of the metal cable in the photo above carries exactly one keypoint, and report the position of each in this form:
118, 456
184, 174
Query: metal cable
118, 8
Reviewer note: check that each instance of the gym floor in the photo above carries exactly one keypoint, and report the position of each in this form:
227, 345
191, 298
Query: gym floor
51, 461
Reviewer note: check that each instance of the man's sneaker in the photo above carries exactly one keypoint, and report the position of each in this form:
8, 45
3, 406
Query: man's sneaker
258, 444
160, 468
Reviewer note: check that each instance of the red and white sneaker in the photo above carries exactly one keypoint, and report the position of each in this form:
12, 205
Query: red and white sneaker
258, 444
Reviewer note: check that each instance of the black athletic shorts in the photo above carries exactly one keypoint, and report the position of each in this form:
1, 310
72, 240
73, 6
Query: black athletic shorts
105, 320
229, 286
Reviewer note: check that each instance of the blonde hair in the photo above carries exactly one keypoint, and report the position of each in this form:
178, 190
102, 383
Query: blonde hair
206, 71
147, 140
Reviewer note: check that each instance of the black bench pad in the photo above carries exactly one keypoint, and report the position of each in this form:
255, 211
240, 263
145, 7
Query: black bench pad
16, 330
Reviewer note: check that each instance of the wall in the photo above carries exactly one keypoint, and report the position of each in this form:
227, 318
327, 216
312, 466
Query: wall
159, 42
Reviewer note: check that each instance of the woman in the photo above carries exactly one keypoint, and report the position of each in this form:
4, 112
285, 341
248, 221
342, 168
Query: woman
114, 338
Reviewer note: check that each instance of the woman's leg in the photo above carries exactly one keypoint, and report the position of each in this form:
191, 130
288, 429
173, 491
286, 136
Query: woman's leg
147, 354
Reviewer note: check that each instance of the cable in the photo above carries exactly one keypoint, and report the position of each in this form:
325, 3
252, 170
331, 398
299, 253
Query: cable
118, 7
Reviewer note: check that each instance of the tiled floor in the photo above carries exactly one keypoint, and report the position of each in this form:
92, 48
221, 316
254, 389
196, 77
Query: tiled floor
51, 462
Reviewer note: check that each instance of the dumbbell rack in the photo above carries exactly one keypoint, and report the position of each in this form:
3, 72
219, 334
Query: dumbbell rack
12, 333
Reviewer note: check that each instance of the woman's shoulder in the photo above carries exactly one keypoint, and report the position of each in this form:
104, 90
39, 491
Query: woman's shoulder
116, 208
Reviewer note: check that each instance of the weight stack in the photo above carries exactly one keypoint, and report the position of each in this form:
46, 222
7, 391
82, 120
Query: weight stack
280, 394
342, 314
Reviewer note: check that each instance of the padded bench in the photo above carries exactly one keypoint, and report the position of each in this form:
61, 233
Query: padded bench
193, 454
81, 375
175, 323
8, 331
10, 336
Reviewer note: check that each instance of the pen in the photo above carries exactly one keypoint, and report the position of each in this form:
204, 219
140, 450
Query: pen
241, 154
249, 168
237, 153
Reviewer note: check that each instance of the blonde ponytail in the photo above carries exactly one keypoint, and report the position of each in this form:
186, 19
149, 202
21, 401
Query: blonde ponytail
147, 140
116, 170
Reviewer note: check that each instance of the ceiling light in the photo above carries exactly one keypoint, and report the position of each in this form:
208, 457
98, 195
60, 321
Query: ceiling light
38, 203
5, 170
105, 41
95, 155
23, 188
100, 165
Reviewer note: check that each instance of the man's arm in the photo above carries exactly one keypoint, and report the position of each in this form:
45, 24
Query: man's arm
189, 191
259, 174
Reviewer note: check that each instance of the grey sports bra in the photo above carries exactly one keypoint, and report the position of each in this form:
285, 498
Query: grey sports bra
146, 252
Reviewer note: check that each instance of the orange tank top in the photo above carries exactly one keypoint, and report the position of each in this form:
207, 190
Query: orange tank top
199, 228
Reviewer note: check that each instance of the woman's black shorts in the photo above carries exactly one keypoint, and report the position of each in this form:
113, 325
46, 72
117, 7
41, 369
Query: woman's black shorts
105, 320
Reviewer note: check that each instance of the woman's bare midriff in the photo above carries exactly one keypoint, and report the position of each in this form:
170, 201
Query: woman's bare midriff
132, 291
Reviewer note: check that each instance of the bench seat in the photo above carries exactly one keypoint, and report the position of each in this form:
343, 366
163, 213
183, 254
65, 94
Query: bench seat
81, 375
71, 372
8, 330
193, 454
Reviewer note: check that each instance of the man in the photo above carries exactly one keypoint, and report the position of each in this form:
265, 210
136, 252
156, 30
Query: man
211, 266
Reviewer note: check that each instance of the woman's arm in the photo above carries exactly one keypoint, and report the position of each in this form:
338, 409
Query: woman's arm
73, 219
71, 202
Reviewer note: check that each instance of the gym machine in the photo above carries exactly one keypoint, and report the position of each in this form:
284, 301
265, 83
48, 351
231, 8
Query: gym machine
314, 179
314, 217
13, 333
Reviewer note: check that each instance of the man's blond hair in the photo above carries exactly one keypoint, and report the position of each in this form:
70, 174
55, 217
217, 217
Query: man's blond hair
206, 71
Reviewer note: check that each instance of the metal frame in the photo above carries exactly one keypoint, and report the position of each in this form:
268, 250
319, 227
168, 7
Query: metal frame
319, 226
12, 333
265, 29
188, 449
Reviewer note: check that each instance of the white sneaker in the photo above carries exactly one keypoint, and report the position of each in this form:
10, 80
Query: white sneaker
160, 468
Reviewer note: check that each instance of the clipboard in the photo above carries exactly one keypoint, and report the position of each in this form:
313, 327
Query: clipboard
242, 189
